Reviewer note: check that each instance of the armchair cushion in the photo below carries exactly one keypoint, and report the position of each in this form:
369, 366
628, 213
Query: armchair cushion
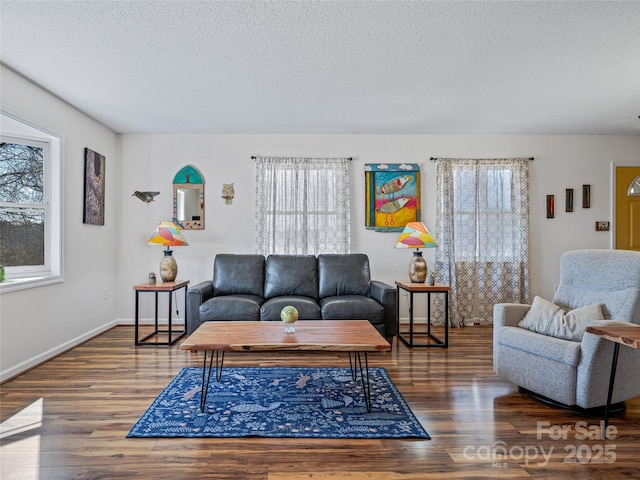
549, 319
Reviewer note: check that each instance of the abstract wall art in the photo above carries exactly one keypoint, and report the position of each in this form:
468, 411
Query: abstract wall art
94, 173
392, 195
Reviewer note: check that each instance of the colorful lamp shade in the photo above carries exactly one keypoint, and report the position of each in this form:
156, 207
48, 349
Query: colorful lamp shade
168, 234
416, 235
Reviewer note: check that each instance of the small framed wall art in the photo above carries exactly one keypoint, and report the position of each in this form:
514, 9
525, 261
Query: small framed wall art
569, 200
94, 173
392, 192
586, 196
550, 206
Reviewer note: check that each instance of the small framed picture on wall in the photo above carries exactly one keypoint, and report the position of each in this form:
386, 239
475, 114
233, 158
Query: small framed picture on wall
569, 200
586, 196
94, 170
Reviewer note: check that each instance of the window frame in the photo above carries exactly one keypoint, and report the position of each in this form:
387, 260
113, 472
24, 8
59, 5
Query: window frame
19, 129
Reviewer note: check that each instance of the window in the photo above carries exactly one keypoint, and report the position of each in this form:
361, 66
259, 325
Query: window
634, 187
30, 204
483, 210
302, 206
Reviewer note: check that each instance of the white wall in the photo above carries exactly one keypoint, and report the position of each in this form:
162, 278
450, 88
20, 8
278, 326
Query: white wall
560, 162
40, 322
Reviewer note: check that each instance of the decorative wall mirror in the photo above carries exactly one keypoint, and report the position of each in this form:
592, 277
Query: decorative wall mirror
188, 198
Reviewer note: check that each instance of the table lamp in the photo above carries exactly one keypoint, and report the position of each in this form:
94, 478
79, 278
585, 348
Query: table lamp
415, 235
168, 234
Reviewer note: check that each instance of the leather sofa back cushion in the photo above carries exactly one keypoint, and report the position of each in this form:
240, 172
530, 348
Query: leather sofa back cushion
238, 275
347, 274
291, 275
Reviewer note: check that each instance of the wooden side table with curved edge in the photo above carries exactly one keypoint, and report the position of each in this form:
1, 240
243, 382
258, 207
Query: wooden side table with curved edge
629, 336
428, 289
172, 335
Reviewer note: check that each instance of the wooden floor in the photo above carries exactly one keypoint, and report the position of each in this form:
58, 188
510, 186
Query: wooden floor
67, 419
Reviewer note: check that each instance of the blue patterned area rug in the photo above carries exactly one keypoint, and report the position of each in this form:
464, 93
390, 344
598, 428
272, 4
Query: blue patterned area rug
280, 402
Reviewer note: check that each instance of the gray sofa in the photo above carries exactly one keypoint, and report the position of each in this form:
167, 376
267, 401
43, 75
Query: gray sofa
575, 373
326, 287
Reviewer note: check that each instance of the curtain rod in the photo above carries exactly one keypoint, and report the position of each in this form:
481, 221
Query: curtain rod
253, 157
433, 159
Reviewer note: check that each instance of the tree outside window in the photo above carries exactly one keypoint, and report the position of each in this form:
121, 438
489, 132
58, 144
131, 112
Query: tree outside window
22, 208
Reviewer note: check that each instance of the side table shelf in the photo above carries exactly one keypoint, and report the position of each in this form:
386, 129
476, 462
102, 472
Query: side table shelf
172, 335
428, 289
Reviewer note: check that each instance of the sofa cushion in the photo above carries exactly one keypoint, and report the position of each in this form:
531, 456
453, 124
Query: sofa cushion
353, 307
291, 275
308, 308
343, 275
231, 307
549, 319
238, 275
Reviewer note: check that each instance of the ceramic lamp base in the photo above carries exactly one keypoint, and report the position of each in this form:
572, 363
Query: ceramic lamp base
168, 267
417, 268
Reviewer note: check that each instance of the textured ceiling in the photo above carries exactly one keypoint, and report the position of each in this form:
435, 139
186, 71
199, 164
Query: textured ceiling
350, 67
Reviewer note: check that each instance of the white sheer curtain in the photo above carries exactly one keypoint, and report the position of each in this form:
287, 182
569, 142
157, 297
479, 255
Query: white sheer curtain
302, 205
482, 224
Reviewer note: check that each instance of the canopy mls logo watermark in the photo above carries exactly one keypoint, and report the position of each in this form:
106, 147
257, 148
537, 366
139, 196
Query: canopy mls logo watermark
499, 454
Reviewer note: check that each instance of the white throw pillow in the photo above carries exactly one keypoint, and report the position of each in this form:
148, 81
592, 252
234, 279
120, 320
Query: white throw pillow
549, 319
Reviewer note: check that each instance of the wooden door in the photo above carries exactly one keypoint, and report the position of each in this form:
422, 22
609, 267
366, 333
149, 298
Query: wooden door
627, 210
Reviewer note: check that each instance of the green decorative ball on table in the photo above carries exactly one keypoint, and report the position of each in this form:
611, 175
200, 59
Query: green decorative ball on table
289, 315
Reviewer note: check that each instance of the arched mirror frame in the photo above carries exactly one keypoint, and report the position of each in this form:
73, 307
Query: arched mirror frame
188, 198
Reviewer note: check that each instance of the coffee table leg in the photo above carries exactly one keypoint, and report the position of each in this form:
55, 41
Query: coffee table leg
353, 367
355, 364
205, 383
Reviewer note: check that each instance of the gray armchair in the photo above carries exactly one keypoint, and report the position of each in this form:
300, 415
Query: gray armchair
575, 373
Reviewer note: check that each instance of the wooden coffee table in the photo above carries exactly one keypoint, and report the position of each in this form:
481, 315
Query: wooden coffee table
352, 336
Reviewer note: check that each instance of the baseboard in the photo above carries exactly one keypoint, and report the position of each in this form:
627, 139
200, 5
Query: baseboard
149, 321
54, 352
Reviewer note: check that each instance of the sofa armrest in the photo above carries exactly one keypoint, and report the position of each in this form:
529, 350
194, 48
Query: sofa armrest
196, 296
508, 314
386, 295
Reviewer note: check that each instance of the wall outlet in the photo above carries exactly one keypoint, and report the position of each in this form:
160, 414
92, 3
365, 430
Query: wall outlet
602, 226
105, 294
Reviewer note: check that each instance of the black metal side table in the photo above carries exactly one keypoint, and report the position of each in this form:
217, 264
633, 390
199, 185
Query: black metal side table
172, 335
428, 289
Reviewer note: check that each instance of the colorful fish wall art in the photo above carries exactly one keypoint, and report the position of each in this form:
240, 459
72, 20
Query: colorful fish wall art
392, 195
